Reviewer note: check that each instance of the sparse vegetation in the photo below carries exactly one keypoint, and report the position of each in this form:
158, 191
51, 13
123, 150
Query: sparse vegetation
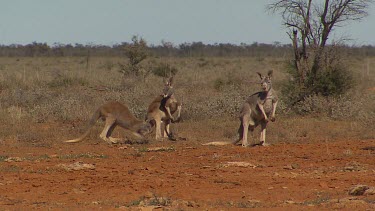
84, 155
3, 157
164, 70
31, 98
322, 143
136, 52
317, 68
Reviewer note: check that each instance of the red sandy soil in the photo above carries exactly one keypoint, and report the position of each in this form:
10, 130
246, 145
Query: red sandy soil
186, 175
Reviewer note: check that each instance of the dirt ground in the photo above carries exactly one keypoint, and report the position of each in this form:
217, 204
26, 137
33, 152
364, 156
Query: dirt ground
186, 175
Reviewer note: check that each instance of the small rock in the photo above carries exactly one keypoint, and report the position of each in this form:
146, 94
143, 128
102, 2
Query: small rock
291, 166
159, 149
77, 166
216, 143
13, 159
352, 200
254, 201
370, 191
358, 190
290, 202
239, 164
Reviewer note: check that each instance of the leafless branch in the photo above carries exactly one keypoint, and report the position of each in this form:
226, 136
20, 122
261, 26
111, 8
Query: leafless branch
313, 21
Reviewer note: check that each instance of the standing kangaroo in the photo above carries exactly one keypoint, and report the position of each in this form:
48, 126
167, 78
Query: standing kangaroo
169, 98
259, 108
161, 110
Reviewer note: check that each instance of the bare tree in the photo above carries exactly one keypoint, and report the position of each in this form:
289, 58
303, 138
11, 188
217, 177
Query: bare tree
310, 24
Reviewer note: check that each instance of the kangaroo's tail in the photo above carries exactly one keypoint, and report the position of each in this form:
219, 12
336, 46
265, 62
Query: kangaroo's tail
92, 122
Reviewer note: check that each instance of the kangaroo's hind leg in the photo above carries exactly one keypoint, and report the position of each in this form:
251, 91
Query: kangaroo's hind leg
110, 124
245, 121
263, 125
240, 132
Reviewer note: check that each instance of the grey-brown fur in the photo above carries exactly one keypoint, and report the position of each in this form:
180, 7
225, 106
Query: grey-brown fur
169, 98
162, 109
258, 109
116, 114
157, 113
168, 90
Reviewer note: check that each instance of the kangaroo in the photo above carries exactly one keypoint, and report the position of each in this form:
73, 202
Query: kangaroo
162, 109
115, 113
259, 108
168, 95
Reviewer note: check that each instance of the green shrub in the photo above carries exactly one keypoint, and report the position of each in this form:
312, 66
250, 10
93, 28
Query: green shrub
136, 52
331, 81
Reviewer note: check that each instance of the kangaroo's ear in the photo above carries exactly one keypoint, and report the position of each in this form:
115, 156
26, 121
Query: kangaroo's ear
270, 73
260, 75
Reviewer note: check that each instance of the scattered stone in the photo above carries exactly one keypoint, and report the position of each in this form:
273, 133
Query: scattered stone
358, 190
181, 204
290, 202
217, 143
352, 200
150, 208
294, 175
291, 166
78, 191
239, 164
76, 166
353, 166
288, 167
123, 147
13, 159
226, 182
370, 191
253, 201
152, 200
159, 149
149, 195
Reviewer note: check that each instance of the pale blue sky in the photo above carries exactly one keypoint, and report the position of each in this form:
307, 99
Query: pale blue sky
114, 21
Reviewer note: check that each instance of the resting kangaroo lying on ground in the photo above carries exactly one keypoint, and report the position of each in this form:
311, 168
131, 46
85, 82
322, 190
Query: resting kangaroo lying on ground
161, 110
259, 108
115, 113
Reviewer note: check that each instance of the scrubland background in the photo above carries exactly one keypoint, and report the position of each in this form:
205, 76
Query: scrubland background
49, 99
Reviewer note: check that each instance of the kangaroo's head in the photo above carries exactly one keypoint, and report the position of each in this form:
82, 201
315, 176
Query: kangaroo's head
144, 128
266, 82
168, 87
